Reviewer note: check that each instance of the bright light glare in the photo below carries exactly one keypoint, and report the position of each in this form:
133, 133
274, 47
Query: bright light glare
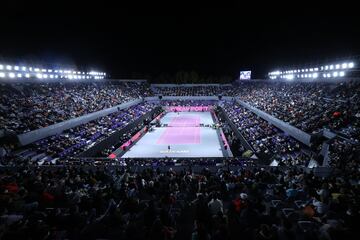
315, 75
1, 67
342, 74
351, 65
335, 74
8, 67
2, 75
11, 75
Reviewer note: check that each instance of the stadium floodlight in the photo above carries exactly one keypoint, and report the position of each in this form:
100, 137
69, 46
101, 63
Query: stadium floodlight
60, 71
16, 68
2, 75
39, 75
27, 75
43, 70
316, 69
37, 70
350, 65
30, 69
328, 75
8, 67
342, 73
326, 67
1, 67
337, 66
315, 75
311, 69
51, 76
70, 76
11, 75
324, 75
50, 70
23, 69
19, 75
331, 67
56, 76
335, 74
45, 76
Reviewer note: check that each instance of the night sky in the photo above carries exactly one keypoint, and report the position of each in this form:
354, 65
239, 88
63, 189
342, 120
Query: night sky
211, 41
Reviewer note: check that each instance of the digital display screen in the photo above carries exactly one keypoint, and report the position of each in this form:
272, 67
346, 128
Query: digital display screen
245, 75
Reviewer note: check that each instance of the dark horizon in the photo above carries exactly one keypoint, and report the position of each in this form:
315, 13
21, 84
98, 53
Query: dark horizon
212, 42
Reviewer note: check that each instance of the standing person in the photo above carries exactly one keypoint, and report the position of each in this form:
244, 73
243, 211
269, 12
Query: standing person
168, 147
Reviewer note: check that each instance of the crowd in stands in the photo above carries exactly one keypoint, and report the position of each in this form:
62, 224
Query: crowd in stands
207, 198
344, 155
308, 106
265, 138
28, 106
210, 90
119, 203
188, 103
78, 139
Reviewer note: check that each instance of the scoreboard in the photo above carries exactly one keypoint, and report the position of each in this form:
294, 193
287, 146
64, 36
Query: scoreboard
245, 75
